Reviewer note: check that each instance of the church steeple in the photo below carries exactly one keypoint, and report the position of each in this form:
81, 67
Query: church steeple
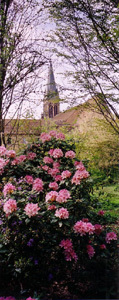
51, 100
51, 85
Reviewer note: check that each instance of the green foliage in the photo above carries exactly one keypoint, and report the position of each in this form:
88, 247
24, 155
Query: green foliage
31, 254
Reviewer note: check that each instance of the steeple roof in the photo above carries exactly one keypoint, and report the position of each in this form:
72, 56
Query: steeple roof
51, 85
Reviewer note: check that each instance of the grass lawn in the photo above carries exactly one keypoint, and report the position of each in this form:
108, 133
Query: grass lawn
108, 196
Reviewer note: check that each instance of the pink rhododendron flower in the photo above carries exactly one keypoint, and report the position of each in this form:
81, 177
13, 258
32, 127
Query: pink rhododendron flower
51, 207
103, 246
53, 185
60, 136
68, 250
63, 196
45, 168
31, 155
21, 158
98, 229
50, 152
2, 150
66, 174
70, 154
38, 185
11, 153
62, 213
83, 228
53, 133
10, 206
47, 160
45, 137
101, 212
2, 164
79, 175
53, 172
56, 165
31, 209
29, 179
9, 188
110, 236
58, 178
79, 165
57, 153
90, 251
85, 220
51, 196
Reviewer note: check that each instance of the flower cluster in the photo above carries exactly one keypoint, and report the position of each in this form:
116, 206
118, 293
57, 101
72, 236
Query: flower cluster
9, 188
9, 206
68, 250
31, 209
83, 228
62, 213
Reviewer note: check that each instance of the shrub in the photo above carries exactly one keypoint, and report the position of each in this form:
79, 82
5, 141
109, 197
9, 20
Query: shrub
46, 233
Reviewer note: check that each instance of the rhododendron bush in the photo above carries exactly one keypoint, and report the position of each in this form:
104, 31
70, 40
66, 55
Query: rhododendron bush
48, 233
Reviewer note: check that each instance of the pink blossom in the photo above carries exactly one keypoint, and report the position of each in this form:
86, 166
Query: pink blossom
90, 251
53, 133
66, 174
83, 228
51, 207
98, 229
70, 154
31, 209
68, 250
31, 155
45, 137
103, 246
10, 206
60, 136
85, 220
21, 158
56, 165
101, 212
48, 160
50, 152
53, 185
15, 162
38, 185
79, 175
45, 168
53, 172
57, 153
79, 165
110, 236
51, 196
9, 188
62, 213
10, 153
58, 178
29, 179
63, 196
2, 150
2, 163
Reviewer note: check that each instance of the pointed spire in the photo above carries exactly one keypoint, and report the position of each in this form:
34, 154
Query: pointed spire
51, 85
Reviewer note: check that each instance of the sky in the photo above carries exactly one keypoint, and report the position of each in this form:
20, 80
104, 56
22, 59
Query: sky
34, 107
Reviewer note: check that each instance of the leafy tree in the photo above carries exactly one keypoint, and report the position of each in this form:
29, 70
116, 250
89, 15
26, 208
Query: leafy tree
20, 55
87, 35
